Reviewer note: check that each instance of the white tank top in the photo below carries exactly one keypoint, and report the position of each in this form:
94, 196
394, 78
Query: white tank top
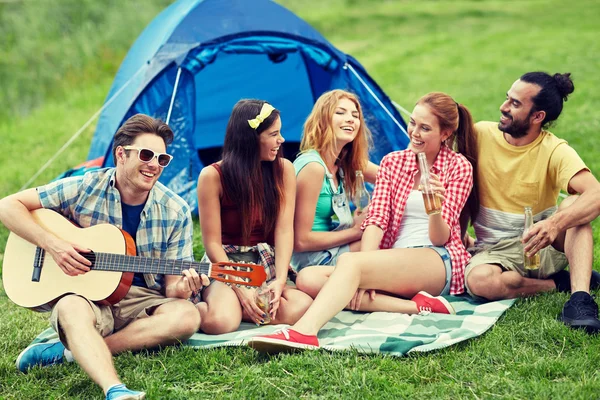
414, 227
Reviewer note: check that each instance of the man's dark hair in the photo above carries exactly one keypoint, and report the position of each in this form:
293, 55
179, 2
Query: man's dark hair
554, 90
138, 125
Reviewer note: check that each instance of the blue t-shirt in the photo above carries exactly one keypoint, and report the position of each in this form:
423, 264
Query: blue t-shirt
131, 221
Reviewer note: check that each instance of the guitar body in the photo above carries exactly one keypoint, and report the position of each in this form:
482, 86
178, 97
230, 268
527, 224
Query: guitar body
105, 287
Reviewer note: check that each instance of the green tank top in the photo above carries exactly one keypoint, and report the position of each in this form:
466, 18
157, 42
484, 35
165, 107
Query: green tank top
324, 211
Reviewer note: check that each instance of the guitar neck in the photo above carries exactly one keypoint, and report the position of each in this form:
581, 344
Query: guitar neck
145, 265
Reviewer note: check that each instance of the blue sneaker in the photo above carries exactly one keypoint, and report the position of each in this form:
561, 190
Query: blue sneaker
120, 392
42, 354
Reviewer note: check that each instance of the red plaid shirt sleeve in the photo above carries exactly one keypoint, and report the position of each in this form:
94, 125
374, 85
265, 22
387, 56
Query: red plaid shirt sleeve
379, 210
458, 187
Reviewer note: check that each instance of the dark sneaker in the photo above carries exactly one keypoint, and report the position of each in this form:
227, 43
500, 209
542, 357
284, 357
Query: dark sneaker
562, 280
581, 311
42, 354
120, 392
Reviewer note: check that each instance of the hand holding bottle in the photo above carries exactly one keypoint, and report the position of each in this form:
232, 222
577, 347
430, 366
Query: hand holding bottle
437, 186
430, 186
529, 261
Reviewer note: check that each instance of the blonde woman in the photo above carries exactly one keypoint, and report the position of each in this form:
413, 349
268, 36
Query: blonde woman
334, 146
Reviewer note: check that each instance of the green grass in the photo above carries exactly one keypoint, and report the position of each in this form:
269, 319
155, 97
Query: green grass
473, 50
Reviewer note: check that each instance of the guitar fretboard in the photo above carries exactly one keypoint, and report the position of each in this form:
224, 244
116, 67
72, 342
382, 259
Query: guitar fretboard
145, 265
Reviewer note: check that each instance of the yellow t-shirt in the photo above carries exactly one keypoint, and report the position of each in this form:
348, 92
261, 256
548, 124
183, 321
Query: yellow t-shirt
512, 177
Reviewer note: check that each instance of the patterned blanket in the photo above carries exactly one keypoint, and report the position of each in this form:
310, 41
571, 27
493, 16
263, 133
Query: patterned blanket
379, 332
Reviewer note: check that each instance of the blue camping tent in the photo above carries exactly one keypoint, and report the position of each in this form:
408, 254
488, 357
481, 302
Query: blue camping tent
197, 58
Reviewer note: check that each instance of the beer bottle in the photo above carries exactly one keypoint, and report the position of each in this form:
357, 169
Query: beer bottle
433, 204
361, 196
531, 262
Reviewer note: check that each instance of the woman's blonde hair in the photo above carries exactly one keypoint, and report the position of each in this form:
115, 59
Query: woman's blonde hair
318, 135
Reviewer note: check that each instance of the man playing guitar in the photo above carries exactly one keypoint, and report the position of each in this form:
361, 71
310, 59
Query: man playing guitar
129, 197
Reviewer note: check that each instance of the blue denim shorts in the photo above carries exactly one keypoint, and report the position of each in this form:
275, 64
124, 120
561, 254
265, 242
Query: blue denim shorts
322, 257
441, 250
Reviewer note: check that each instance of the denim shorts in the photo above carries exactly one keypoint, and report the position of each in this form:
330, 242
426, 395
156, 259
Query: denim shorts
441, 250
328, 257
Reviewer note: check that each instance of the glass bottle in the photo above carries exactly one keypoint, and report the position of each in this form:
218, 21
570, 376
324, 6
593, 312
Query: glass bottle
361, 197
262, 298
530, 262
433, 204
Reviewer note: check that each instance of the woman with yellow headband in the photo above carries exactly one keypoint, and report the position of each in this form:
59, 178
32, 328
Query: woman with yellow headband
246, 207
334, 146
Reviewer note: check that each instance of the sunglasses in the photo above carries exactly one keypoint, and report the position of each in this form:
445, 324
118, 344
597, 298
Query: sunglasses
147, 155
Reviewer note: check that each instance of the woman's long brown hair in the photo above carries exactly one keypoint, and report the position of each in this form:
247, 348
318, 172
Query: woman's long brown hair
255, 185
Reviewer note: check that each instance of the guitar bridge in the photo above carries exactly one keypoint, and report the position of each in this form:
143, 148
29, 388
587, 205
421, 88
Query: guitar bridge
37, 264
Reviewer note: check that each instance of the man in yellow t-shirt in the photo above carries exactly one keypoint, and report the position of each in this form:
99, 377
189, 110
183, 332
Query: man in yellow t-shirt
521, 164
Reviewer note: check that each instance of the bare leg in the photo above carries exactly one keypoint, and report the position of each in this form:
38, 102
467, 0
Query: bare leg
220, 311
89, 349
578, 245
402, 272
292, 306
311, 279
579, 248
490, 282
170, 323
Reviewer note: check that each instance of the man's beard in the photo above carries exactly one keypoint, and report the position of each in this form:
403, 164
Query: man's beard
516, 129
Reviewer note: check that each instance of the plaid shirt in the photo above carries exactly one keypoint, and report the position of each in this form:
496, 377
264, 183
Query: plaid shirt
395, 180
165, 229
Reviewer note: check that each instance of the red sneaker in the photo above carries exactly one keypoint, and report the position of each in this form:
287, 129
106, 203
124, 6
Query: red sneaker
286, 340
427, 304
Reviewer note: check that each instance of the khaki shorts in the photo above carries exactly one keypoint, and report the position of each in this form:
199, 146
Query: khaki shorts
139, 302
508, 254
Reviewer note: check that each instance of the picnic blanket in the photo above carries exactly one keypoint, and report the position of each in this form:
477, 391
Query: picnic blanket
378, 332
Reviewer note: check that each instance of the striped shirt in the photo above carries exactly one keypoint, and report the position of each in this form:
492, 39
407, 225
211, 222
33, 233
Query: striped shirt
165, 229
519, 176
395, 180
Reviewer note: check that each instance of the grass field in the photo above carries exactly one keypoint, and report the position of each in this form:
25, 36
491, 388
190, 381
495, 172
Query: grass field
473, 50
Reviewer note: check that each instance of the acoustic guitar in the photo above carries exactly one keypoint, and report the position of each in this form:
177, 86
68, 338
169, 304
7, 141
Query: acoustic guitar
33, 280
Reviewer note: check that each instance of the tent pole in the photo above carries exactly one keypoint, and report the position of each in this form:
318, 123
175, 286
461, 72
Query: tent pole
80, 131
173, 95
400, 108
348, 66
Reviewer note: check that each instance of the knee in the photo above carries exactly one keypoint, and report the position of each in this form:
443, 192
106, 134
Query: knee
295, 308
309, 282
292, 308
185, 319
216, 323
304, 281
480, 279
73, 310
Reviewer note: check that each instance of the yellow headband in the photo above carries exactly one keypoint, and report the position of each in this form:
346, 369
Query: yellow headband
265, 112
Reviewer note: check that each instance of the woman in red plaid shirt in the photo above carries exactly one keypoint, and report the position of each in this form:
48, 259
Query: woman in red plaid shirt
405, 253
